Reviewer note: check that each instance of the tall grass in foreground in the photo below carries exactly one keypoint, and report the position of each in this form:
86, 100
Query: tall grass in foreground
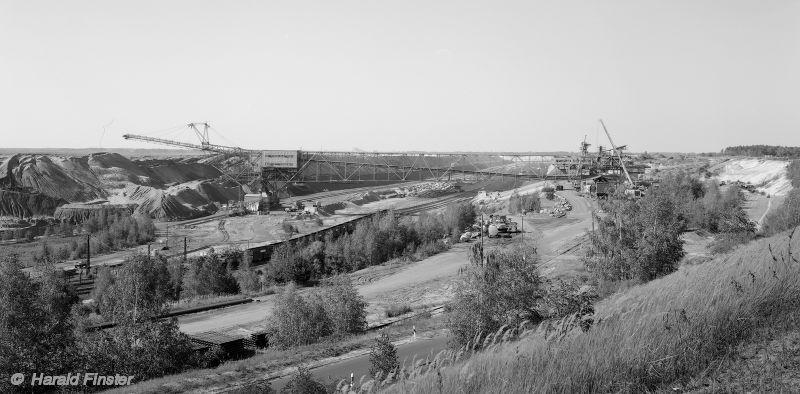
644, 338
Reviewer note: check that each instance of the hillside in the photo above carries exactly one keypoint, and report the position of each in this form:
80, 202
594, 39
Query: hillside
651, 337
770, 176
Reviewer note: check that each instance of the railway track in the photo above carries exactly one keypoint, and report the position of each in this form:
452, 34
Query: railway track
440, 203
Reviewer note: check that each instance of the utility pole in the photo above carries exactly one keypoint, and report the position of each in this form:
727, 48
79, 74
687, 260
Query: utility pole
88, 253
184, 250
481, 239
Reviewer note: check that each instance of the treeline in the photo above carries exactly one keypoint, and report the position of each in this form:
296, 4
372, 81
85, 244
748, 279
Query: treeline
763, 150
107, 233
372, 242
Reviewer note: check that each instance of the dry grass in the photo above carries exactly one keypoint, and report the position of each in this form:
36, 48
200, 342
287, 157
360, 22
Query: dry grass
232, 374
646, 338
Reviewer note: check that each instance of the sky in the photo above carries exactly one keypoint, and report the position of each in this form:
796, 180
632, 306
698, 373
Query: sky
381, 75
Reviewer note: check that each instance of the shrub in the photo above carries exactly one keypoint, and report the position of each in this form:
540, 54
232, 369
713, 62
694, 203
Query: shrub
288, 228
303, 382
525, 202
383, 357
549, 193
259, 387
505, 290
397, 310
636, 239
725, 242
212, 274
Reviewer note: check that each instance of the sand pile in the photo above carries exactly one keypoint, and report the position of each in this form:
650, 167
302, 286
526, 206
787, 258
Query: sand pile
365, 198
504, 196
768, 175
40, 174
183, 201
432, 189
25, 205
162, 188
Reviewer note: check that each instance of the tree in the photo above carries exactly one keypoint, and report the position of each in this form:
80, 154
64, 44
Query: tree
145, 349
246, 277
344, 306
136, 291
36, 335
211, 274
383, 357
296, 321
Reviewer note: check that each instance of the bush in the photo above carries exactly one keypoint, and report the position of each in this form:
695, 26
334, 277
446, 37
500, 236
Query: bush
505, 290
636, 239
259, 387
383, 357
288, 228
212, 274
725, 242
549, 193
525, 202
303, 382
397, 310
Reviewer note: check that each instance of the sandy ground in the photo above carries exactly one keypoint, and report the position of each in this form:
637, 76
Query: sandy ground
426, 282
378, 294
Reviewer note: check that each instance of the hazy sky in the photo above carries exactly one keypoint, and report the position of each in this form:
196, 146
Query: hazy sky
391, 75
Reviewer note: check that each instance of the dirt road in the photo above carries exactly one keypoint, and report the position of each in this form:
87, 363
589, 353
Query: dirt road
425, 281
444, 265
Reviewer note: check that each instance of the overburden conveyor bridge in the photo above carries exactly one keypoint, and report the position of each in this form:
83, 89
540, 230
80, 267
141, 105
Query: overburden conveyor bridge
272, 171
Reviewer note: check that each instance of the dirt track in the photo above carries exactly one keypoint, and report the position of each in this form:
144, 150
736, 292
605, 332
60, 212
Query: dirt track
426, 281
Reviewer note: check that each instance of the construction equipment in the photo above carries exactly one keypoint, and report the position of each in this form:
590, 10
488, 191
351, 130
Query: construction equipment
246, 173
617, 151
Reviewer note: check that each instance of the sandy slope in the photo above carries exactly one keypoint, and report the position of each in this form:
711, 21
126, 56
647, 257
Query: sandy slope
768, 175
161, 188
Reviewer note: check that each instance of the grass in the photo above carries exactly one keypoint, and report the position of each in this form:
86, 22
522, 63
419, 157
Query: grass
271, 360
647, 338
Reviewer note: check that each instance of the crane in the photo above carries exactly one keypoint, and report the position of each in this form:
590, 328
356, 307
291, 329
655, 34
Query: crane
617, 150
